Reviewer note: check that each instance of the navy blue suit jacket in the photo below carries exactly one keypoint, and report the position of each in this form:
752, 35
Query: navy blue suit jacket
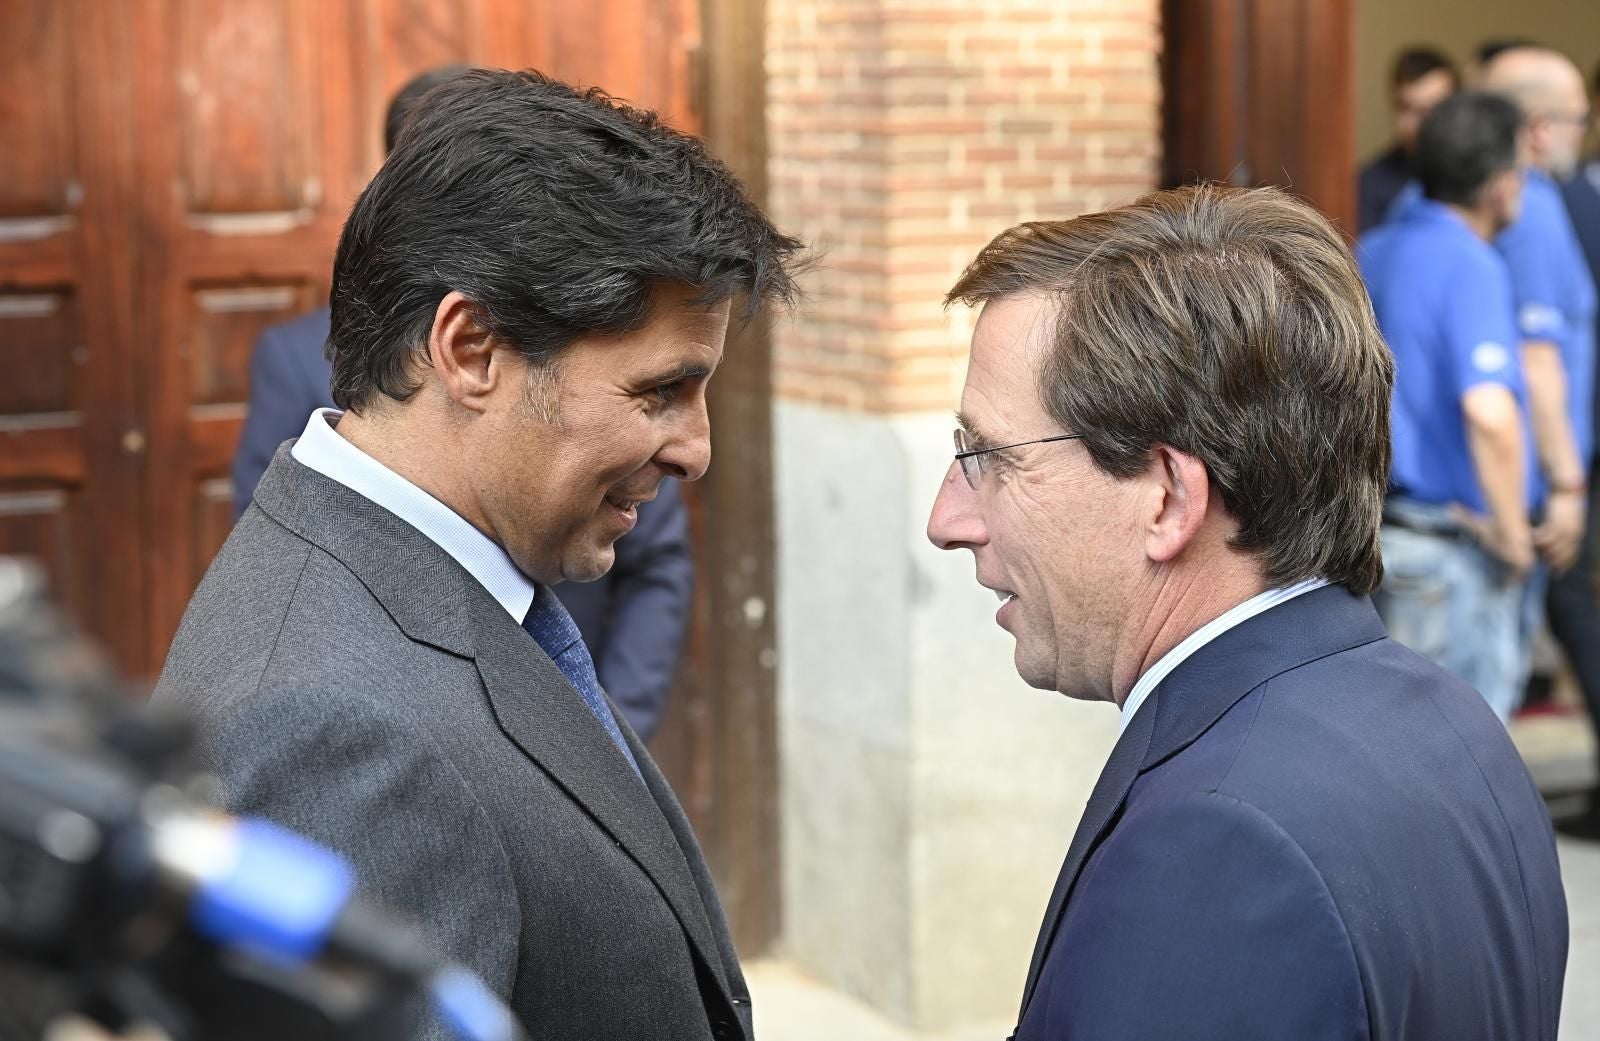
633, 619
1377, 185
1582, 196
1309, 832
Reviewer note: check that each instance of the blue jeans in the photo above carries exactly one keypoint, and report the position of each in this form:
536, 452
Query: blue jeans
1451, 601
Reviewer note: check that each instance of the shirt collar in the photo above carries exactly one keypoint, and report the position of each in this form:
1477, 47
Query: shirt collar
1153, 676
1424, 208
322, 449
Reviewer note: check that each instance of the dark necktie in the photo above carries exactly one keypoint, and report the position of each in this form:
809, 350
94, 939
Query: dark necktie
549, 623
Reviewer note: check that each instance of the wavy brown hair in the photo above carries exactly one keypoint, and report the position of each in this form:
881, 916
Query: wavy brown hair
1231, 324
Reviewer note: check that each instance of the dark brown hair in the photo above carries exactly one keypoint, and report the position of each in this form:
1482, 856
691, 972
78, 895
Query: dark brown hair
556, 211
1413, 63
1230, 324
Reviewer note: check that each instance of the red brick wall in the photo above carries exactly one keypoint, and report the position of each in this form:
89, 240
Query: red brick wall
905, 134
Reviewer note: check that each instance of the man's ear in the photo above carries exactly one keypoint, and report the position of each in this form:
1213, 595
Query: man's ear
461, 351
1180, 495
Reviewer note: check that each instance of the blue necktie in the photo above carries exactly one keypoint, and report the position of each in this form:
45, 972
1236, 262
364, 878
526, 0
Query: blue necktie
549, 623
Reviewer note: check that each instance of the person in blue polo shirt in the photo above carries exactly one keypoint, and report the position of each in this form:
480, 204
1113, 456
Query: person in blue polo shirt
1457, 543
1581, 192
1555, 302
1555, 295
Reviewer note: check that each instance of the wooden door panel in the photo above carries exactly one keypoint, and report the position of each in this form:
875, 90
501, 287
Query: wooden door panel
43, 468
42, 464
221, 329
40, 343
243, 133
69, 464
223, 323
637, 50
395, 42
1262, 92
244, 82
35, 110
47, 525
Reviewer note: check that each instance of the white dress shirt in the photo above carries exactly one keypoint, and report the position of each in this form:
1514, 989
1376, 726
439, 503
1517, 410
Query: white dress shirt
1204, 635
323, 450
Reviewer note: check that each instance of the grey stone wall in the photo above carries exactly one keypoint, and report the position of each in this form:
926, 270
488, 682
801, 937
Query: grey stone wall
928, 795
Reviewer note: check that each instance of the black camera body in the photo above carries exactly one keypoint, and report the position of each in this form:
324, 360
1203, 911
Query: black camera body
127, 898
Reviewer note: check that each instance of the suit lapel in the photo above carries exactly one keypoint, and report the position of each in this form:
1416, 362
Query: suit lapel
433, 600
1193, 697
545, 717
1109, 791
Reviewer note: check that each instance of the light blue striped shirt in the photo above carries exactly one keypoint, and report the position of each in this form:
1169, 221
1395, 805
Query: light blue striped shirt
1204, 635
323, 450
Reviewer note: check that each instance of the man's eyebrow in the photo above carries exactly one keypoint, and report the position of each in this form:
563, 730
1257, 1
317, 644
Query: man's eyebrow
683, 372
963, 421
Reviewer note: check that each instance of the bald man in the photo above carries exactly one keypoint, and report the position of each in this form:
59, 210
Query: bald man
1555, 299
1582, 196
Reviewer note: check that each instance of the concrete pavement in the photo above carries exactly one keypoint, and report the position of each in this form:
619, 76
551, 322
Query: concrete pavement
1580, 1005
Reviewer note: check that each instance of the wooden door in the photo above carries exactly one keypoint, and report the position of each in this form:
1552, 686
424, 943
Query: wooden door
70, 447
1263, 92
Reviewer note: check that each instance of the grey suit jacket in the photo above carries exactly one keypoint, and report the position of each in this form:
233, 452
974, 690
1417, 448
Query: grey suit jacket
356, 684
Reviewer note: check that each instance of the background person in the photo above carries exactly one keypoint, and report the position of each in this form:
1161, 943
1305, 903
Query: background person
1555, 299
1581, 194
1420, 79
1457, 541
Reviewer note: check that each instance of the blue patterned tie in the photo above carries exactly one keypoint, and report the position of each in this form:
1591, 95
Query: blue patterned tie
549, 623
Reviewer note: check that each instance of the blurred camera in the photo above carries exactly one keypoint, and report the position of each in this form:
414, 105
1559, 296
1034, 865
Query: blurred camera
129, 902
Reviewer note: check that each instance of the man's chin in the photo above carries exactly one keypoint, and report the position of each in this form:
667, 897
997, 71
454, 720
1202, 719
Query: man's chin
592, 566
1032, 674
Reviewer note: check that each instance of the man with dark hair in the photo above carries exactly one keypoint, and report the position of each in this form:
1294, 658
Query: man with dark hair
1170, 468
1457, 541
528, 302
1421, 78
633, 618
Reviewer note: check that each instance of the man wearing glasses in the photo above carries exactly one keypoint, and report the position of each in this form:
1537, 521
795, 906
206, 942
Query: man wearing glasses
1171, 467
1555, 307
1581, 193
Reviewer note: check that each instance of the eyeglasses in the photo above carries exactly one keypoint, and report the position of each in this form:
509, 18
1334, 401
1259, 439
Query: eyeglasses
971, 459
1571, 119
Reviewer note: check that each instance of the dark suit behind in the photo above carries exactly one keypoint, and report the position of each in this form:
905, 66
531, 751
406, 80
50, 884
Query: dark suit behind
1581, 193
1377, 186
633, 619
1308, 833
357, 685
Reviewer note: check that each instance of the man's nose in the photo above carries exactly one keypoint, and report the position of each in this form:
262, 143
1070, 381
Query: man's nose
955, 522
687, 453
